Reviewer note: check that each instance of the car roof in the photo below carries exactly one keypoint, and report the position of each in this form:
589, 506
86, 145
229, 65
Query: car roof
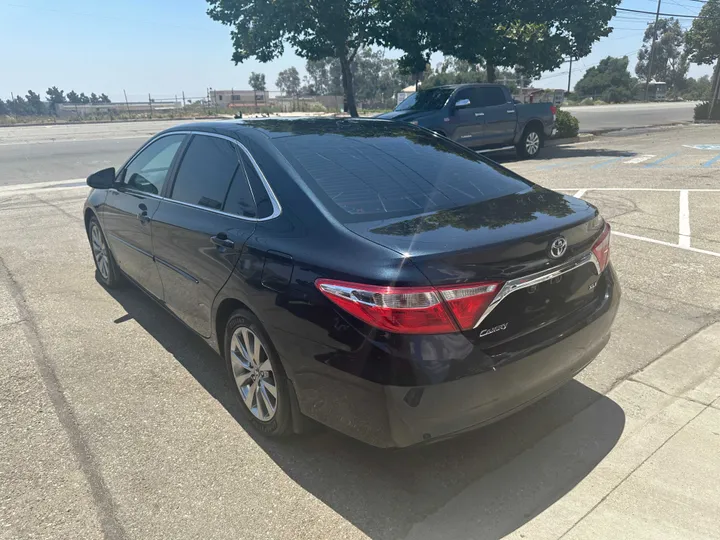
455, 86
272, 128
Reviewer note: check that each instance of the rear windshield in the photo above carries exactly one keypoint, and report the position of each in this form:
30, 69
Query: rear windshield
426, 100
369, 174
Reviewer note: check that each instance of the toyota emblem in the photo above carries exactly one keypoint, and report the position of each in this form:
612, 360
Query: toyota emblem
558, 247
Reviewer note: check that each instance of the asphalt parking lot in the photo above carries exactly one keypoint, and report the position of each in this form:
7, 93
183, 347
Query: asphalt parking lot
116, 422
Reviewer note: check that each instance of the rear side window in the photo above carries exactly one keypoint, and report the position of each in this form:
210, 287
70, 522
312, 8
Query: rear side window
262, 198
206, 172
240, 199
370, 172
490, 95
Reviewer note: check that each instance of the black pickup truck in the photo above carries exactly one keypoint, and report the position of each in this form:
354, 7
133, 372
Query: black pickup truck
479, 116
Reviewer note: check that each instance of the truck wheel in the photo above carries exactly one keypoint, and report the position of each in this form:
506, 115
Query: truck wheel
530, 143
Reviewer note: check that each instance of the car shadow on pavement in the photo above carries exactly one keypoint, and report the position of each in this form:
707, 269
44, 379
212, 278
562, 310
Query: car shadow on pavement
560, 152
484, 484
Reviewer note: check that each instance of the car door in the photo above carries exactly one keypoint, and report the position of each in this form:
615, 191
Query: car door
467, 121
200, 229
131, 204
499, 114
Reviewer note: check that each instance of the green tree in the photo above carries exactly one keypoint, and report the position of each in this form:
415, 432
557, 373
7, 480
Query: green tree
84, 99
609, 80
104, 98
529, 36
257, 81
288, 81
94, 99
54, 97
73, 97
4, 108
702, 41
325, 76
670, 63
703, 38
34, 103
316, 29
696, 89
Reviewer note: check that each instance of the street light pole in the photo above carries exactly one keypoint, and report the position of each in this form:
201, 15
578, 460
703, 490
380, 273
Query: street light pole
652, 52
570, 75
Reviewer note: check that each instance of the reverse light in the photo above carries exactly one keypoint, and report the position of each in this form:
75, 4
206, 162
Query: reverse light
601, 248
412, 310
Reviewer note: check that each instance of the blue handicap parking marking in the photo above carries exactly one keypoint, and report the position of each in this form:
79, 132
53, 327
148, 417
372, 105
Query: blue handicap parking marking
703, 146
664, 158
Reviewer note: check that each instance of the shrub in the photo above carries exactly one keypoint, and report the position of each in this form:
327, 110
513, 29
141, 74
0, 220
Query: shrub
703, 109
587, 101
567, 125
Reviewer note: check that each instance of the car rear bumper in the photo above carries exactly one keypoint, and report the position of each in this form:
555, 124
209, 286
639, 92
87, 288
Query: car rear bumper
400, 416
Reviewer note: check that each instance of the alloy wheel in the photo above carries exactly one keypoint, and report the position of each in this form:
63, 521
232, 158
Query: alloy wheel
253, 374
532, 143
100, 253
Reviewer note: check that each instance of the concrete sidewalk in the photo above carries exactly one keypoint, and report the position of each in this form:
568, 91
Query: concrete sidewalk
661, 480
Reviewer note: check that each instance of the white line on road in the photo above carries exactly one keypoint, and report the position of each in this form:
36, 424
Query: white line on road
640, 159
668, 244
684, 239
695, 190
579, 193
36, 185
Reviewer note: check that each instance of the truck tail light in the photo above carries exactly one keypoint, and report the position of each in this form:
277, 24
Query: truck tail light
601, 248
412, 310
553, 109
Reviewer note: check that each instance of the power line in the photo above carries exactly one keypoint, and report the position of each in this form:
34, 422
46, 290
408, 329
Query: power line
663, 14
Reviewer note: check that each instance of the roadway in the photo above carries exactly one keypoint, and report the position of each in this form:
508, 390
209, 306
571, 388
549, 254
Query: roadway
632, 115
47, 153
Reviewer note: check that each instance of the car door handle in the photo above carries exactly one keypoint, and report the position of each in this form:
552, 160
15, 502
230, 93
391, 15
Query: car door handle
143, 215
511, 112
479, 114
221, 240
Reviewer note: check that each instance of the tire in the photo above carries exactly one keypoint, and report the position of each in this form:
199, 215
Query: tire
530, 143
252, 379
107, 271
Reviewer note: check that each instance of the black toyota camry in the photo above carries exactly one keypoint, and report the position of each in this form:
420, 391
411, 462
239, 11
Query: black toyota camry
371, 275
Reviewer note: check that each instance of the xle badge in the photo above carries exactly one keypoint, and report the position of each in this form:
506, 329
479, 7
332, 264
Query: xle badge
494, 329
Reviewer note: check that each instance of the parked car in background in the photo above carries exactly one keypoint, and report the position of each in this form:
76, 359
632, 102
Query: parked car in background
479, 116
380, 279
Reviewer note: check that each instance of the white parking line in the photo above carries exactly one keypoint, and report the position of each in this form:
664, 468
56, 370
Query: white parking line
579, 193
36, 185
693, 190
684, 239
639, 159
668, 244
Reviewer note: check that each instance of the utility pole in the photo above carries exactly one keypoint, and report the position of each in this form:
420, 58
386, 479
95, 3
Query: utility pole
183, 98
570, 75
150, 103
126, 101
652, 52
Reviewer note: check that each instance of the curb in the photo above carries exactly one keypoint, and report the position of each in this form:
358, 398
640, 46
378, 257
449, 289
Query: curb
570, 140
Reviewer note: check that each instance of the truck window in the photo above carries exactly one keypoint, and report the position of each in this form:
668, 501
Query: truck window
491, 95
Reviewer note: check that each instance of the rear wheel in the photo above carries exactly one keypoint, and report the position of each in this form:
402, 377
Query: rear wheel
260, 380
108, 272
530, 143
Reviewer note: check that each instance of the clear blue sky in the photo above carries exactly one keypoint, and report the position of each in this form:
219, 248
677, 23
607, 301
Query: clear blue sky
165, 47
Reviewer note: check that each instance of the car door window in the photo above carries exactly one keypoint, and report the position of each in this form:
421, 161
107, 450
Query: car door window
240, 199
262, 198
490, 96
148, 171
206, 172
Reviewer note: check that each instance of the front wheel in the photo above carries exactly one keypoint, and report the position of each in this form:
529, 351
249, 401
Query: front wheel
530, 143
108, 272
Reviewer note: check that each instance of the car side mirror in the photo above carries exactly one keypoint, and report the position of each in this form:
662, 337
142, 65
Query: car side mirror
102, 179
462, 103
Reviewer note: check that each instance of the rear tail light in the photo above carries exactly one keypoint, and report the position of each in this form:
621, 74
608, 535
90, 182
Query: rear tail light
601, 248
553, 109
412, 310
